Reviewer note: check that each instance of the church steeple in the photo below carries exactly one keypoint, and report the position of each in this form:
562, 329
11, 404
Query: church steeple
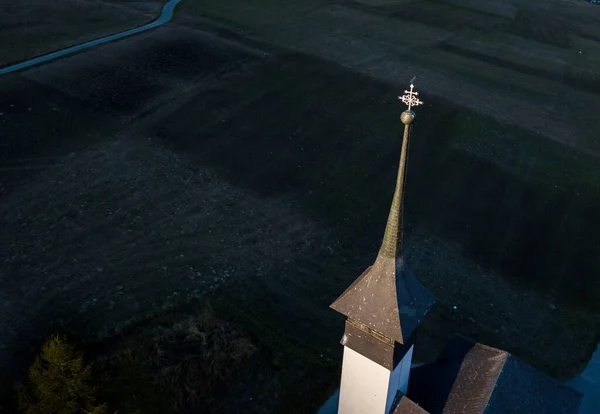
387, 301
384, 306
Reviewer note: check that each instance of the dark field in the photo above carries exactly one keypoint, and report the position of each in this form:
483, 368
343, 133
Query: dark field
197, 162
30, 28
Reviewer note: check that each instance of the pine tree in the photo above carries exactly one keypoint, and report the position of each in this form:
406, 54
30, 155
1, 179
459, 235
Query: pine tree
59, 382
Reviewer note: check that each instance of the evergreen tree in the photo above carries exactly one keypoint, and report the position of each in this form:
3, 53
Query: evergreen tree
59, 382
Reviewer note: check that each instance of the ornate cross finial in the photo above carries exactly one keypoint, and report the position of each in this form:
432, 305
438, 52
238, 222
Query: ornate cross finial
411, 98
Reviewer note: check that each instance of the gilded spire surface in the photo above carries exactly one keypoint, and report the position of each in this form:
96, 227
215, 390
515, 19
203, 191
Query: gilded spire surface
393, 236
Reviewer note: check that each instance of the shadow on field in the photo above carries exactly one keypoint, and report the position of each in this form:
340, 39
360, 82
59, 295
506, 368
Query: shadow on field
124, 230
338, 151
535, 222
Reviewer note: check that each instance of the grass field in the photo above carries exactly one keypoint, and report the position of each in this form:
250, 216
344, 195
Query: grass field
247, 155
31, 28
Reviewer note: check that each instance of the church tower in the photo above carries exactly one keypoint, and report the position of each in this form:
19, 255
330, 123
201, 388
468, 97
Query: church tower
384, 307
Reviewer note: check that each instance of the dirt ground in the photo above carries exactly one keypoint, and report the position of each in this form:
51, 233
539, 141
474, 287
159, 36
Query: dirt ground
252, 161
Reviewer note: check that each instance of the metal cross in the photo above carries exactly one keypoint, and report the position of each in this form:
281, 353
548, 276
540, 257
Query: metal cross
411, 98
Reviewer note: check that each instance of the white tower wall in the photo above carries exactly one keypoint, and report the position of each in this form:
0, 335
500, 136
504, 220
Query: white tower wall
368, 387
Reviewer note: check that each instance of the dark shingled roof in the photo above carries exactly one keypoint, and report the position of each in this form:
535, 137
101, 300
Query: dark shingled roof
404, 405
521, 388
469, 377
388, 299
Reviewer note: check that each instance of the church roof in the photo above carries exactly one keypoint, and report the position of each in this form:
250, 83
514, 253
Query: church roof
404, 405
470, 377
388, 299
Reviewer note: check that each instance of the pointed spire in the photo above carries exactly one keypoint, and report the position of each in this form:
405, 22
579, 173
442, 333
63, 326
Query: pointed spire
387, 298
391, 246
